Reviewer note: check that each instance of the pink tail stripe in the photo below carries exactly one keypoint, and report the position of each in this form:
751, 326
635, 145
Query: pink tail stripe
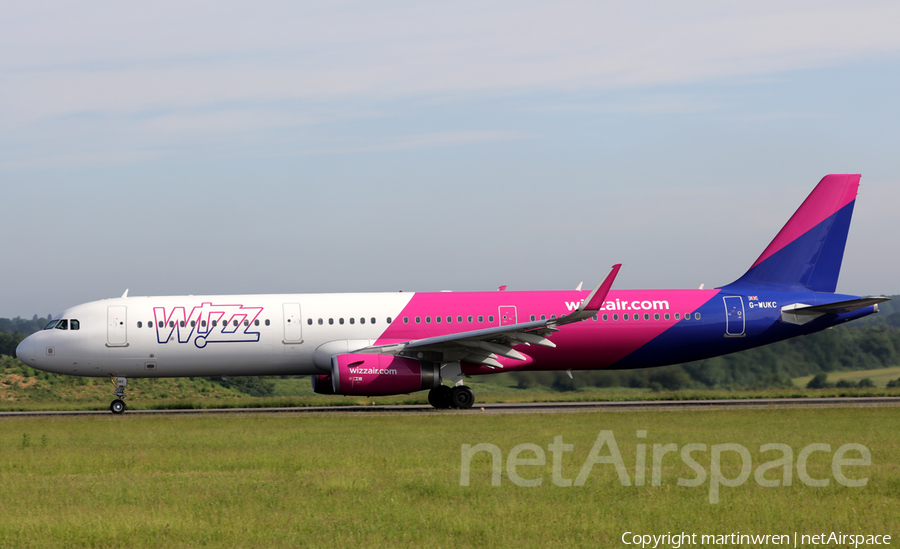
831, 194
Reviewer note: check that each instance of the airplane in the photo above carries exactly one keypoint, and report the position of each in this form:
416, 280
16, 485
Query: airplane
378, 344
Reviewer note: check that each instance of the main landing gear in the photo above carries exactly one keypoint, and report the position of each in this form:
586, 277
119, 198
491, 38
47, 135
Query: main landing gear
442, 397
118, 405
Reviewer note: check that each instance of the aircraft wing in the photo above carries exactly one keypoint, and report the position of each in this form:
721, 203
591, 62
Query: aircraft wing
484, 346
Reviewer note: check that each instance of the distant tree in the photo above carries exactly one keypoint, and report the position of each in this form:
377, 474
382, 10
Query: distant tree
820, 381
894, 383
9, 342
845, 384
671, 378
257, 386
865, 383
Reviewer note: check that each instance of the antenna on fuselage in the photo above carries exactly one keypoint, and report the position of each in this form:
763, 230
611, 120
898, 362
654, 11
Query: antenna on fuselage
126, 293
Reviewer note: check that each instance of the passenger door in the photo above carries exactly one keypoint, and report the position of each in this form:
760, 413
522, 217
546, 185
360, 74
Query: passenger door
734, 316
116, 326
293, 330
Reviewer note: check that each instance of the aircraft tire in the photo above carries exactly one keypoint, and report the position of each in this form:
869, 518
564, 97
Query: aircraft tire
462, 397
440, 397
117, 406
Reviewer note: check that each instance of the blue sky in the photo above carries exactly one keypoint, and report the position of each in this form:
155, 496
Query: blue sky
345, 146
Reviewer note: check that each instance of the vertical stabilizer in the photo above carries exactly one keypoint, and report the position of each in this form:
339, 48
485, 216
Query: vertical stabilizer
807, 253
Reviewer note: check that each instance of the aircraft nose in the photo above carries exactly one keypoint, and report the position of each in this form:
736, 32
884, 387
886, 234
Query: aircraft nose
25, 351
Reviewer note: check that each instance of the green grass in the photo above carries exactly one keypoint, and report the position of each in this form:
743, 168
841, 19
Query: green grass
879, 377
100, 400
393, 480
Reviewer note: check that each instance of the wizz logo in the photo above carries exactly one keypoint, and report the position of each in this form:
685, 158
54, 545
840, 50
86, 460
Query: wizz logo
207, 323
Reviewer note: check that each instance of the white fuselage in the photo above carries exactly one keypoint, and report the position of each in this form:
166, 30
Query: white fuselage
212, 335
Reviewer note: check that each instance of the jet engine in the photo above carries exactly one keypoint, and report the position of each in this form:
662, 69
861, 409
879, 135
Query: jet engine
376, 375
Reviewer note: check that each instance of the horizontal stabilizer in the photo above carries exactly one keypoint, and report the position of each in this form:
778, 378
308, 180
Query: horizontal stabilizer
840, 307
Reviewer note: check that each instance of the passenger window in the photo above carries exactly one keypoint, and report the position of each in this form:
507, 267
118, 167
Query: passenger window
362, 320
677, 316
267, 322
181, 324
256, 322
647, 316
247, 322
532, 318
418, 319
320, 322
543, 317
62, 325
372, 320
625, 316
74, 324
140, 325
330, 321
437, 319
171, 324
235, 322
470, 318
215, 323
655, 316
595, 317
449, 319
459, 319
553, 317
193, 323
159, 324
388, 320
667, 316
615, 317
480, 318
491, 318
341, 320
203, 323
427, 320
352, 320
605, 317
406, 320
697, 316
150, 324
309, 321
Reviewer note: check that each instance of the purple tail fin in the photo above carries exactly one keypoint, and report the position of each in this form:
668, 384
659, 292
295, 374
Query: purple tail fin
807, 253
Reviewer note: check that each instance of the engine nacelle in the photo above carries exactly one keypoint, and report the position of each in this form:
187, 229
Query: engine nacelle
381, 375
322, 385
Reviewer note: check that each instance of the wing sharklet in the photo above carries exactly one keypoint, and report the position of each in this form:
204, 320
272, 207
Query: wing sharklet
590, 306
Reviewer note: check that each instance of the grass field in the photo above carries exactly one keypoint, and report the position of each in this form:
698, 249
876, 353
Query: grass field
879, 377
393, 480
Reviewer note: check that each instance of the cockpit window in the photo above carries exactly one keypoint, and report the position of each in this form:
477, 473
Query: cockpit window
62, 325
51, 325
74, 324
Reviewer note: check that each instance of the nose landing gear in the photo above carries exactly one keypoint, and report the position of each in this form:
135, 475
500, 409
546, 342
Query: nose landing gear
118, 406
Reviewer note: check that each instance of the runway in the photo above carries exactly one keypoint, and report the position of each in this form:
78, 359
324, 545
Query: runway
501, 408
